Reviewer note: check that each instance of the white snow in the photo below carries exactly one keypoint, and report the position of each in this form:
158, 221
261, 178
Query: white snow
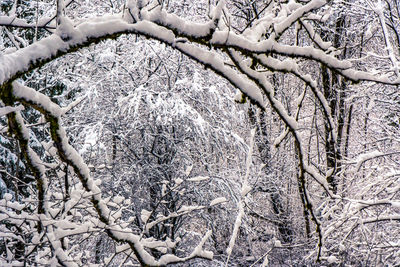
265, 261
7, 196
198, 178
245, 189
118, 199
178, 181
299, 12
145, 215
6, 110
215, 62
365, 157
277, 243
73, 35
218, 201
332, 259
396, 204
379, 10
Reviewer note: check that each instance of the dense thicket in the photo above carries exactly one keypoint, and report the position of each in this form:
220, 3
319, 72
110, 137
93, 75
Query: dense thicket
207, 133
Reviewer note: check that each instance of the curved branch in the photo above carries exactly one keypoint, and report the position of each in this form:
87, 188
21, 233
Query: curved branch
70, 156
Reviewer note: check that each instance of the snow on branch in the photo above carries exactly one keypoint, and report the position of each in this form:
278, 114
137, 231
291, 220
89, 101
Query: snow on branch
69, 155
296, 15
242, 59
7, 110
378, 9
184, 27
94, 30
244, 191
45, 22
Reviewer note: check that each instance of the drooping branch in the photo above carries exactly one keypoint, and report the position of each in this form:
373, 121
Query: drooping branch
18, 128
69, 155
209, 44
291, 123
21, 132
154, 25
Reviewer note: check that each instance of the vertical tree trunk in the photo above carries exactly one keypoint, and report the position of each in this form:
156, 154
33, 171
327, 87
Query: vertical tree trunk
263, 147
334, 89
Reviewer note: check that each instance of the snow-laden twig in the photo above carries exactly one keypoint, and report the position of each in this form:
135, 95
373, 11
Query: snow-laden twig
37, 167
296, 15
6, 110
378, 9
182, 211
94, 30
291, 66
69, 155
291, 124
244, 191
45, 22
290, 121
361, 159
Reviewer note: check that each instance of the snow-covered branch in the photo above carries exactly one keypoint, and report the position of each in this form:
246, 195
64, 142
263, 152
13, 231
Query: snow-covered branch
284, 62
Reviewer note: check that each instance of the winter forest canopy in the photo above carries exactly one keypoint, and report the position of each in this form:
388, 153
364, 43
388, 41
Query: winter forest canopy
200, 133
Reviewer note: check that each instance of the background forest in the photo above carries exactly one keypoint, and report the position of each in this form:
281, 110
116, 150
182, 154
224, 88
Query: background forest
200, 133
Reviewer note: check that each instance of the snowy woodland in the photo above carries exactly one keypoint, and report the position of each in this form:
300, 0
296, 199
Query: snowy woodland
199, 133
